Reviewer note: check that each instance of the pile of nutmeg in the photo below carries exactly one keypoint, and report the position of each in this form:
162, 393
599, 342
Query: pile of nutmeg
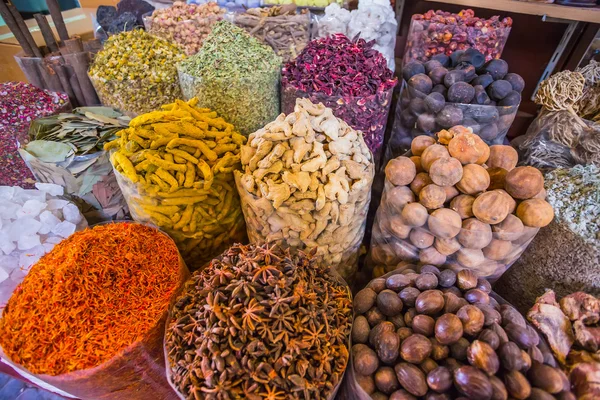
441, 335
458, 203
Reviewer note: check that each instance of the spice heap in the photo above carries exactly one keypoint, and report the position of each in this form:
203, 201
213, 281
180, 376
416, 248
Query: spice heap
93, 295
21, 103
67, 150
347, 76
135, 72
175, 168
235, 75
443, 207
443, 334
260, 323
441, 32
307, 182
459, 90
571, 328
185, 24
33, 221
279, 27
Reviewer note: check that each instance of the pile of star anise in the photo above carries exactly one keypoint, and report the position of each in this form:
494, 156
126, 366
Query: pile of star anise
260, 323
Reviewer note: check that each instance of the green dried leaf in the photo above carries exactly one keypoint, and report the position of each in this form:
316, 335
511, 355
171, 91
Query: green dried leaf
105, 111
102, 118
52, 152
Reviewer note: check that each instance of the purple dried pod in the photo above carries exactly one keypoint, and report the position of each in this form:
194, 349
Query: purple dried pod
461, 92
435, 102
449, 116
453, 77
516, 81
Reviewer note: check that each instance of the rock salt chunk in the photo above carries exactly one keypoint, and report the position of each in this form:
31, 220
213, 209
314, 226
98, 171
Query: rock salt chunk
27, 242
24, 226
7, 192
71, 213
53, 239
30, 257
6, 245
64, 229
49, 221
56, 204
31, 208
3, 275
8, 209
8, 263
30, 194
50, 188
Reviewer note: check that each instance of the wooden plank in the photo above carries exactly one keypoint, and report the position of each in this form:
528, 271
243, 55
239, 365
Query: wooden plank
584, 14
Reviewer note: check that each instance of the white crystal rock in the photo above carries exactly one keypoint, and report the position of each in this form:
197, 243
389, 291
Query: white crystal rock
71, 213
64, 229
51, 188
27, 242
56, 204
30, 194
3, 275
6, 245
53, 239
8, 209
28, 258
31, 208
8, 263
24, 226
49, 221
7, 192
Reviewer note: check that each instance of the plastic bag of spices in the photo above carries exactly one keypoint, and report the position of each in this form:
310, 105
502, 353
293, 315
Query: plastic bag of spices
441, 206
102, 296
175, 169
303, 357
427, 333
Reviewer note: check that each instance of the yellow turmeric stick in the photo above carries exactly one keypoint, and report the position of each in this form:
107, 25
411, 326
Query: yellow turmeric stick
211, 155
190, 175
186, 217
207, 173
165, 164
167, 177
184, 200
128, 169
183, 154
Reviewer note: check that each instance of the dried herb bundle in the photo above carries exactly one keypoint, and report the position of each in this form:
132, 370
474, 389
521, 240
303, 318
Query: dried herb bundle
259, 323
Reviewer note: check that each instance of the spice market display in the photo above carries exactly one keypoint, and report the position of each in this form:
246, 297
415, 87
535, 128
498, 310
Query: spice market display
306, 181
448, 250
90, 314
347, 76
235, 75
264, 324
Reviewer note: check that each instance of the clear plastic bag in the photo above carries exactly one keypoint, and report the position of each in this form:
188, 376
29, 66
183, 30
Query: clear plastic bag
491, 123
427, 38
427, 239
134, 97
137, 372
555, 139
367, 114
88, 180
248, 103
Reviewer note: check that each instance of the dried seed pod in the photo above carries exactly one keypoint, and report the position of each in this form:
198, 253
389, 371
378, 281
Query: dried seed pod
491, 207
448, 329
400, 171
535, 213
421, 180
472, 319
432, 196
445, 223
385, 380
475, 179
415, 349
415, 214
472, 383
420, 143
360, 330
411, 379
475, 234
482, 355
463, 205
364, 300
439, 379
430, 302
423, 325
432, 153
446, 171
524, 182
517, 385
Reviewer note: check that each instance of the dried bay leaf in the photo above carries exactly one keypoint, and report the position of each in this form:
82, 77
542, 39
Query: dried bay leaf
47, 151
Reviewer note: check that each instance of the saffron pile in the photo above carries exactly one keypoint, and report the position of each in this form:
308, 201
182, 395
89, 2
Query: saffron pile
93, 295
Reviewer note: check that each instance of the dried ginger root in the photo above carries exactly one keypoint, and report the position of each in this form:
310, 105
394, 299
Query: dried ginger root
306, 181
175, 167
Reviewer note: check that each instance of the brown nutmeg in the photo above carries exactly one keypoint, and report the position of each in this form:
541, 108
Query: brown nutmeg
421, 238
472, 319
378, 330
366, 383
411, 378
482, 355
535, 213
446, 171
431, 256
427, 280
446, 246
470, 258
439, 379
463, 205
414, 214
387, 345
491, 207
466, 279
364, 300
466, 147
445, 223
420, 143
432, 196
475, 179
475, 234
409, 295
438, 351
448, 329
421, 180
430, 302
472, 383
497, 249
428, 365
423, 325
432, 153
517, 385
400, 171
545, 377
389, 303
511, 228
490, 337
415, 349
365, 359
360, 329
478, 297
502, 156
404, 332
497, 177
498, 389
458, 350
417, 161
524, 182
492, 316
385, 380
453, 303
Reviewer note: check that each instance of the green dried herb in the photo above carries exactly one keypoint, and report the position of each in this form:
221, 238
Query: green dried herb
575, 196
235, 75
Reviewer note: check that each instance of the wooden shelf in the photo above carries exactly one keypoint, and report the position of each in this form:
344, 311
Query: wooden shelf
584, 14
